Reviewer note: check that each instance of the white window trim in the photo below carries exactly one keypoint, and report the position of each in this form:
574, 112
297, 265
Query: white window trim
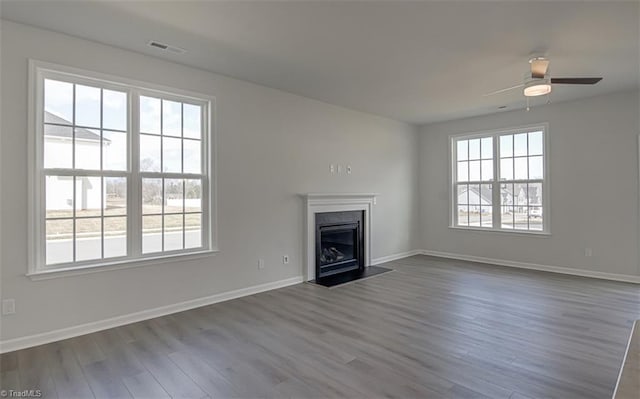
546, 183
36, 268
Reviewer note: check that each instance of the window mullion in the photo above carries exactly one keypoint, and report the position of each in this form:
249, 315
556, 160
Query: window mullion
162, 192
73, 166
454, 195
207, 154
103, 200
497, 215
170, 175
134, 199
184, 194
38, 218
454, 181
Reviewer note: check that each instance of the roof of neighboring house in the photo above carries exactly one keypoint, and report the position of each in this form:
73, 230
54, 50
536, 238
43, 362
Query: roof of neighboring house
60, 127
484, 192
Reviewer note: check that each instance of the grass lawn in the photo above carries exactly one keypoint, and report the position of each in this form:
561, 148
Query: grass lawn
115, 221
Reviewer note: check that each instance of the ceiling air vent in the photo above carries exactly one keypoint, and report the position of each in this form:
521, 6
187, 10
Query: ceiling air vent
166, 47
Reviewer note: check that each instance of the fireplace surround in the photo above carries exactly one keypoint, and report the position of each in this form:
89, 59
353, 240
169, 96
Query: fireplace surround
318, 203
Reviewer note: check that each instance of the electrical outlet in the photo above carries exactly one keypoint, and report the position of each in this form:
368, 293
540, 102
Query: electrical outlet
8, 306
285, 259
332, 168
348, 169
260, 263
588, 252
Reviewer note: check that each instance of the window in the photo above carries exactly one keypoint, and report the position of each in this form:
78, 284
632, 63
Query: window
498, 180
122, 171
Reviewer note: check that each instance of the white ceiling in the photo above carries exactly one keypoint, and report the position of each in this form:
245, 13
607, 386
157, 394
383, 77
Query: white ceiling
418, 62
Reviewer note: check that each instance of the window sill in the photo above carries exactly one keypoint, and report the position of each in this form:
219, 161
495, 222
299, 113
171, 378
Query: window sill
51, 273
541, 234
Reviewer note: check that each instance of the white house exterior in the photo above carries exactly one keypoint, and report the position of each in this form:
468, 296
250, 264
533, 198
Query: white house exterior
477, 198
58, 142
510, 202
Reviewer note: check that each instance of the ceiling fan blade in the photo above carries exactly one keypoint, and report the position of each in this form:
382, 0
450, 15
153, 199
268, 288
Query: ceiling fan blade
575, 81
539, 68
503, 90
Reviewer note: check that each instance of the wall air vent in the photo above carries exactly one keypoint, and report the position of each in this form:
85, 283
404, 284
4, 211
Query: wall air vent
166, 47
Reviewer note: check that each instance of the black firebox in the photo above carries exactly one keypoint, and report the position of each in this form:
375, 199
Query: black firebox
339, 242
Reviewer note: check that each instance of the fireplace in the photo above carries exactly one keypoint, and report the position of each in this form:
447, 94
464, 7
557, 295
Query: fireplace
339, 242
325, 203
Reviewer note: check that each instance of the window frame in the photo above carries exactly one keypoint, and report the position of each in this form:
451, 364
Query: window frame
37, 268
495, 182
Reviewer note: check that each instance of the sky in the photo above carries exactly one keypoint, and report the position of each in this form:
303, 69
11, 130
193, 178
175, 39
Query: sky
521, 157
171, 131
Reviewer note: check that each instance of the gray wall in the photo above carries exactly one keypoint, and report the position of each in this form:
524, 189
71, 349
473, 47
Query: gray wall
594, 187
271, 146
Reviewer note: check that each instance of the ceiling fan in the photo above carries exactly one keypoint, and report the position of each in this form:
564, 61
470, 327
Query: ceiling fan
540, 82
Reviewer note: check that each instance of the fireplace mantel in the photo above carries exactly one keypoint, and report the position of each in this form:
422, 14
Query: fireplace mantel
335, 202
320, 196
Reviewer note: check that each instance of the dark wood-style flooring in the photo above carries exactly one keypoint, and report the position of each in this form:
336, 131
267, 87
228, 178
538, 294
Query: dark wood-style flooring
433, 328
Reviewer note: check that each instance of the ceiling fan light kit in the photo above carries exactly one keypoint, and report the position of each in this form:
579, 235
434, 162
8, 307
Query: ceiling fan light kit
538, 87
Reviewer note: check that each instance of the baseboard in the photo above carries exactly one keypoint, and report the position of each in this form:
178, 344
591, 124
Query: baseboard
70, 332
533, 266
390, 258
